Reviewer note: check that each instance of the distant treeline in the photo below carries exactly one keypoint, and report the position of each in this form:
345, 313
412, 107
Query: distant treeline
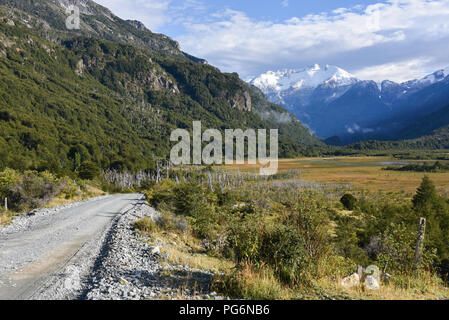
422, 167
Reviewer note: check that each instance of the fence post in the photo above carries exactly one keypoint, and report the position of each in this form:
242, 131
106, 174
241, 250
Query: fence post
6, 204
420, 242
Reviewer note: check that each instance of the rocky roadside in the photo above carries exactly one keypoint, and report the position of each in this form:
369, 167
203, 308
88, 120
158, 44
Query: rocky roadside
130, 269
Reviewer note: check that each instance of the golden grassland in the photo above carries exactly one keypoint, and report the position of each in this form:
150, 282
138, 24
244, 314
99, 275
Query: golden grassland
364, 173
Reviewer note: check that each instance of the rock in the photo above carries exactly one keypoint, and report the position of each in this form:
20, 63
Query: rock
155, 250
351, 281
371, 283
123, 281
33, 212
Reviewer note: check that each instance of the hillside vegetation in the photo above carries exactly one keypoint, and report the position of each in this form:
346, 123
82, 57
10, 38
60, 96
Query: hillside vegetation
290, 240
82, 99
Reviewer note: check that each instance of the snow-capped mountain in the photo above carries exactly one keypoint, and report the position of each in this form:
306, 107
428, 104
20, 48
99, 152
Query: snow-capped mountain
308, 78
280, 84
332, 101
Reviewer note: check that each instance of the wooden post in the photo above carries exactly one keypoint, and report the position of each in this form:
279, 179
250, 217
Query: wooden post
420, 242
6, 204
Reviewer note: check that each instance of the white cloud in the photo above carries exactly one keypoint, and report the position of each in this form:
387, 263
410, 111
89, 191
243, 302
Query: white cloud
356, 38
153, 13
399, 71
397, 39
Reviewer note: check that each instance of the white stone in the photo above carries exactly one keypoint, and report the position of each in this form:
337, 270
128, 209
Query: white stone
155, 250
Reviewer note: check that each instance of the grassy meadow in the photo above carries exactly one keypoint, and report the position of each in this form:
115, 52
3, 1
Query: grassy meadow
364, 173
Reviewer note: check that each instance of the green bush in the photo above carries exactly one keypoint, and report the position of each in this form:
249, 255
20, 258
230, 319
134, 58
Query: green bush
398, 250
349, 201
170, 222
8, 178
32, 190
161, 193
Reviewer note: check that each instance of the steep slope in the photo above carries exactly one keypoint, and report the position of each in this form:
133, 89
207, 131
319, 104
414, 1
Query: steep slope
295, 88
416, 113
351, 113
426, 125
85, 99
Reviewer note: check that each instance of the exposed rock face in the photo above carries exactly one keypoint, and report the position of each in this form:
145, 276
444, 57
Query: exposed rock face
80, 68
96, 21
150, 81
194, 59
139, 25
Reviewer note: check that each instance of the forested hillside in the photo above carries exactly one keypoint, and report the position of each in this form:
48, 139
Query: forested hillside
67, 99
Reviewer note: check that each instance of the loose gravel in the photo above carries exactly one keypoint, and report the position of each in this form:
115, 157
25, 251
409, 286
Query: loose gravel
131, 269
117, 263
27, 221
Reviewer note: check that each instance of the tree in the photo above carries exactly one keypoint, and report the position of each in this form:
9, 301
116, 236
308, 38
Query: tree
427, 203
88, 170
426, 199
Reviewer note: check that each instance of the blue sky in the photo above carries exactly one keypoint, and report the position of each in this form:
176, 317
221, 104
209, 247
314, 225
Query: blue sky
393, 39
272, 10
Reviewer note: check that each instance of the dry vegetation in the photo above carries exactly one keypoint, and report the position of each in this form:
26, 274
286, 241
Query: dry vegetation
361, 172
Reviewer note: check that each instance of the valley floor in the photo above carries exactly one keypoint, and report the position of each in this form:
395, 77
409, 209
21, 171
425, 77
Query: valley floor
359, 173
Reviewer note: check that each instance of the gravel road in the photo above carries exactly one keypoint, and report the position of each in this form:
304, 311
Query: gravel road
47, 255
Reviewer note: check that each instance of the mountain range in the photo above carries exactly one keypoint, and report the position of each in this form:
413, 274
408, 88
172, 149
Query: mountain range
336, 105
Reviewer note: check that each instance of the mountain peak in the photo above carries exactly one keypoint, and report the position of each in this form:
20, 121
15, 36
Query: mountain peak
306, 78
139, 25
434, 77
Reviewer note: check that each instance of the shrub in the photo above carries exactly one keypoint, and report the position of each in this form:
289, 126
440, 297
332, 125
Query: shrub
163, 192
145, 225
8, 178
170, 222
194, 200
69, 187
282, 248
398, 250
32, 190
349, 201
